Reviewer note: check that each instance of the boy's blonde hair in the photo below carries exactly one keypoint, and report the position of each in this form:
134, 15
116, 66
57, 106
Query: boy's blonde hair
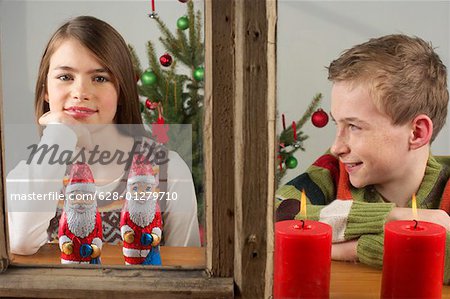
404, 75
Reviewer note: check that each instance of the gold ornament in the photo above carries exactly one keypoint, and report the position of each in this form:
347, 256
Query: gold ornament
66, 180
67, 248
96, 251
156, 240
128, 237
156, 169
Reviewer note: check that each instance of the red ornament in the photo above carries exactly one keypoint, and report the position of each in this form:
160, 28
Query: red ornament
165, 60
319, 118
151, 105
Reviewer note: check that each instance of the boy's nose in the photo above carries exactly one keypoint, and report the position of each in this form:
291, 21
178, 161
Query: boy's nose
340, 146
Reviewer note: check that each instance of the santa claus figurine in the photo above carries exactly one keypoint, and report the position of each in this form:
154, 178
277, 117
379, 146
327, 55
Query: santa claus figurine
80, 227
140, 222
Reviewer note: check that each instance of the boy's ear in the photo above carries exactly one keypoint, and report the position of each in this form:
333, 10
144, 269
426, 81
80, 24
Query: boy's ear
422, 130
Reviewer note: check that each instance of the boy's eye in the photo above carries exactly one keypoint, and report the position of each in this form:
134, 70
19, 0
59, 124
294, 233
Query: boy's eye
353, 127
100, 79
148, 189
64, 77
135, 189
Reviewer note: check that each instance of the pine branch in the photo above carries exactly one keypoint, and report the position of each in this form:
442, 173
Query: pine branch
168, 36
287, 136
134, 58
198, 42
184, 46
152, 60
311, 108
181, 96
192, 34
288, 144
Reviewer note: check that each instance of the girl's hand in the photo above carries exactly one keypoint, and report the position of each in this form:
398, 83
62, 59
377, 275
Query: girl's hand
57, 118
83, 134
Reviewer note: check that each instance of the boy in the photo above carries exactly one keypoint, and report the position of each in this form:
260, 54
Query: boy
389, 101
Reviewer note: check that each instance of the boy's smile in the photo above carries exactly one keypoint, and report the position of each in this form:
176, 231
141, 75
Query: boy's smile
373, 150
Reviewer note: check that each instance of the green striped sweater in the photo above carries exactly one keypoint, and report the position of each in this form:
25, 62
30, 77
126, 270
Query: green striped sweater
359, 213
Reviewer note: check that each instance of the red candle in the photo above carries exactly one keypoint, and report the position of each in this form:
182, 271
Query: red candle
413, 261
302, 259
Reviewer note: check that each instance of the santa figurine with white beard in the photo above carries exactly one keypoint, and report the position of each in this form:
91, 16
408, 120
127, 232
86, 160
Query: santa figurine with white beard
80, 227
140, 222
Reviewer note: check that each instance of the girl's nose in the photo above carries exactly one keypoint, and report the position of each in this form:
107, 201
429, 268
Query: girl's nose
81, 89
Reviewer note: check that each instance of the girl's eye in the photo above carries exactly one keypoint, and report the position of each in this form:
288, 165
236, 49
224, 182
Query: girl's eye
135, 189
64, 77
100, 79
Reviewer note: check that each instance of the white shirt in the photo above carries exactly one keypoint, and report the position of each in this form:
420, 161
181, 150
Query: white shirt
28, 220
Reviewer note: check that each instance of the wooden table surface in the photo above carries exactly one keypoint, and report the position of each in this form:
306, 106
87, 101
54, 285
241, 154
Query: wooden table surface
358, 281
112, 255
348, 280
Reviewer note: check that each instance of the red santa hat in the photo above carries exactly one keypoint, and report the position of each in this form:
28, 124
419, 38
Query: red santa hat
81, 178
141, 171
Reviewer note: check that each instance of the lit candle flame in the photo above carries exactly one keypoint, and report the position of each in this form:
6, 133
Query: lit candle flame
414, 207
303, 205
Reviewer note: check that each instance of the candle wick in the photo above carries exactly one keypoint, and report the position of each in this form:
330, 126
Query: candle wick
417, 223
303, 223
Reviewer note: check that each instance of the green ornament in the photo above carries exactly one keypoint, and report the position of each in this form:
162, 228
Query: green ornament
199, 74
291, 162
183, 23
148, 78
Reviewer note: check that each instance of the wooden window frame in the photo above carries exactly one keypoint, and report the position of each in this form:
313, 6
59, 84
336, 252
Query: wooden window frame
240, 64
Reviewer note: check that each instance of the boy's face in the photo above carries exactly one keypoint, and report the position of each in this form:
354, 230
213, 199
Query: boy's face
373, 150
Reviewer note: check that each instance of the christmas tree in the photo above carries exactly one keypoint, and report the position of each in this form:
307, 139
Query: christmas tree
173, 97
291, 138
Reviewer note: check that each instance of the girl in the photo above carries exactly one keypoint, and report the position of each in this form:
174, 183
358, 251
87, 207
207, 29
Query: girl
87, 100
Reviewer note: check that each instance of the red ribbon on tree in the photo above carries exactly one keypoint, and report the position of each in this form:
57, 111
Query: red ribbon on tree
294, 128
153, 14
280, 159
159, 129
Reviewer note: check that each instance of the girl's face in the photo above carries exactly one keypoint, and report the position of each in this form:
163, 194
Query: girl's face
80, 86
